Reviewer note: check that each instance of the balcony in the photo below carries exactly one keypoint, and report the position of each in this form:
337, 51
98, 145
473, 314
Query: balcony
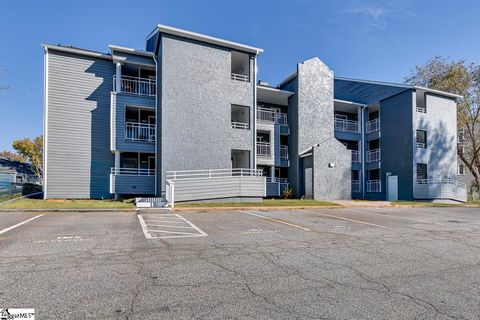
355, 186
264, 149
134, 85
373, 155
240, 77
136, 131
284, 152
421, 145
132, 181
275, 186
441, 189
346, 125
373, 125
355, 156
421, 109
374, 186
133, 171
270, 116
240, 125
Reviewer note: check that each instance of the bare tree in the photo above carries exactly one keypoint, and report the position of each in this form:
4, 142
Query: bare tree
461, 78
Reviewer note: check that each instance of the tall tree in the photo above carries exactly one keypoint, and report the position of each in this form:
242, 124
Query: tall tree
32, 149
461, 78
13, 156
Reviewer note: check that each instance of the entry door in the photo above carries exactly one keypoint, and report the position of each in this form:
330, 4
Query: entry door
392, 182
308, 183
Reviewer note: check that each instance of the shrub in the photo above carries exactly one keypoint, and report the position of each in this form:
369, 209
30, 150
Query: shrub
287, 193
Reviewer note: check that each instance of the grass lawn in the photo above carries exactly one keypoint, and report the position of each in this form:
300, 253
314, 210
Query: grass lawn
264, 203
6, 197
67, 204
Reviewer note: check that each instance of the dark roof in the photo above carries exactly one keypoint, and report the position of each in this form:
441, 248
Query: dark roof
19, 167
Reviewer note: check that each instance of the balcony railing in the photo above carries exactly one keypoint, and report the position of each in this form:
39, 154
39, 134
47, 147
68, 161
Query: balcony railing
421, 145
213, 173
355, 156
355, 186
422, 109
346, 125
373, 155
268, 115
442, 181
284, 152
240, 77
277, 180
133, 85
373, 125
374, 186
264, 149
133, 171
240, 125
136, 131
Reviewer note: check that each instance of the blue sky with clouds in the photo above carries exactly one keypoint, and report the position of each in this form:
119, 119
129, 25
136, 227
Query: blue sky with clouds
378, 40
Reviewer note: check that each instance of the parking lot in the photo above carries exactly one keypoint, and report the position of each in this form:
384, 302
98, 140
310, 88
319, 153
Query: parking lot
351, 263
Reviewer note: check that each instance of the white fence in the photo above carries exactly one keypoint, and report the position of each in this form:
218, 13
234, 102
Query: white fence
355, 186
346, 125
355, 156
271, 116
133, 171
441, 189
240, 77
374, 186
284, 152
373, 125
240, 125
264, 149
137, 131
373, 155
134, 85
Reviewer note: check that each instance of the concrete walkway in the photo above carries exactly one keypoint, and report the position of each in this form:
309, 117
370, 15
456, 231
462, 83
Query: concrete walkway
363, 203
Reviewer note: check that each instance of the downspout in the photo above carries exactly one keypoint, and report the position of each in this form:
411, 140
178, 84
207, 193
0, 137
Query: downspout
156, 116
363, 150
254, 124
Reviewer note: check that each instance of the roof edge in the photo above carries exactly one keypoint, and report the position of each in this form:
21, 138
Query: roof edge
80, 51
130, 50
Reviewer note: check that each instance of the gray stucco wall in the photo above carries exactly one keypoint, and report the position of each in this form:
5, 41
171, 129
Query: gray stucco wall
195, 104
119, 102
396, 143
332, 183
77, 151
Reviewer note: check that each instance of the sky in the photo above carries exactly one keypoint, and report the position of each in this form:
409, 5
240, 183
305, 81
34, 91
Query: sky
374, 40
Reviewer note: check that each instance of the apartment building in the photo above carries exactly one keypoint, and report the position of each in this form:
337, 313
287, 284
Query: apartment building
187, 119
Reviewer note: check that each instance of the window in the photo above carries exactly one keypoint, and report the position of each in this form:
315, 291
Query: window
421, 139
461, 135
240, 66
422, 171
240, 116
461, 169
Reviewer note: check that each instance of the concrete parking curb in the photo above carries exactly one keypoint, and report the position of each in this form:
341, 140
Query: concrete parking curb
253, 208
69, 210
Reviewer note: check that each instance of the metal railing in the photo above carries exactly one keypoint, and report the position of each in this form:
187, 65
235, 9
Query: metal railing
421, 145
264, 149
422, 109
277, 180
373, 125
374, 186
442, 181
132, 171
134, 85
284, 152
213, 173
268, 115
355, 156
373, 155
137, 131
240, 125
355, 186
346, 125
240, 77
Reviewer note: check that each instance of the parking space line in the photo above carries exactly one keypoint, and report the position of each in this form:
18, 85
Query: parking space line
275, 220
346, 219
156, 226
391, 216
19, 224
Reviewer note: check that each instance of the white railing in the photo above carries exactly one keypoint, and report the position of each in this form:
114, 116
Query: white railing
373, 155
170, 192
374, 186
355, 156
240, 125
284, 152
442, 181
355, 186
421, 145
133, 171
213, 173
346, 125
422, 109
137, 131
373, 125
240, 77
268, 115
134, 85
264, 149
277, 180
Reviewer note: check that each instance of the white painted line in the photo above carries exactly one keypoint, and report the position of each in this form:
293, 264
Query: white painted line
163, 221
390, 216
192, 225
19, 224
164, 226
144, 223
275, 220
144, 227
174, 232
346, 219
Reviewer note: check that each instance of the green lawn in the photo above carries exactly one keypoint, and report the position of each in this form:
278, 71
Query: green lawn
67, 204
6, 197
264, 203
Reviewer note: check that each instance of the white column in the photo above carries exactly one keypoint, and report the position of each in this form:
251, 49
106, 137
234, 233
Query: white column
272, 172
117, 161
118, 77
